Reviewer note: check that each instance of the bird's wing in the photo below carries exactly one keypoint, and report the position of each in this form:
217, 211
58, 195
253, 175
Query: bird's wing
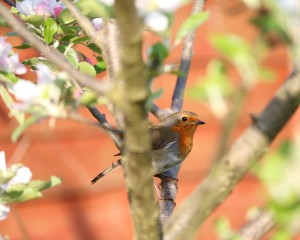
161, 136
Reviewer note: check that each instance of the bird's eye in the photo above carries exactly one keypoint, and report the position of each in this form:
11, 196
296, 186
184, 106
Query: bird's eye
184, 119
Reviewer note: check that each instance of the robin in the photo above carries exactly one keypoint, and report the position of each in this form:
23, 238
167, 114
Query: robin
172, 141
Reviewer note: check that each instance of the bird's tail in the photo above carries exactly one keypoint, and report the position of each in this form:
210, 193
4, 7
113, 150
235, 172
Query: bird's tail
108, 170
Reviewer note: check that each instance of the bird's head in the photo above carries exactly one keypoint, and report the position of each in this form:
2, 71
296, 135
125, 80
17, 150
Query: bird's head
185, 120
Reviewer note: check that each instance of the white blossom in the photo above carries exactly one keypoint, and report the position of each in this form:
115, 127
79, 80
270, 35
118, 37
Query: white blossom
97, 23
108, 2
157, 21
25, 90
45, 75
168, 5
23, 176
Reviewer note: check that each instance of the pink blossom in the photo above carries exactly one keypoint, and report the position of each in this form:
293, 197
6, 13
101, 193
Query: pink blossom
9, 61
45, 8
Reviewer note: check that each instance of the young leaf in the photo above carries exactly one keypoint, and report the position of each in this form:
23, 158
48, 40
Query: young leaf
36, 20
100, 67
8, 77
87, 68
39, 185
157, 54
231, 46
94, 48
191, 24
90, 8
19, 193
24, 45
76, 40
88, 98
70, 54
50, 30
32, 62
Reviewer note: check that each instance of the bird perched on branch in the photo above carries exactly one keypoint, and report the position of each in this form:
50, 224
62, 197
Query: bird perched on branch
172, 141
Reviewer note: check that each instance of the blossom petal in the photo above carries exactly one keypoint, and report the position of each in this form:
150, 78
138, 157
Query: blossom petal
25, 90
23, 176
4, 210
157, 21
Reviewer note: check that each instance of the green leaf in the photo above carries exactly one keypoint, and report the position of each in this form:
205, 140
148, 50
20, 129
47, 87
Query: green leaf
191, 24
100, 67
88, 98
153, 96
72, 57
67, 29
8, 100
89, 8
66, 17
27, 123
19, 193
25, 192
223, 228
76, 40
87, 69
33, 62
231, 46
39, 185
282, 235
70, 54
36, 20
94, 48
50, 30
8, 77
215, 82
24, 45
157, 54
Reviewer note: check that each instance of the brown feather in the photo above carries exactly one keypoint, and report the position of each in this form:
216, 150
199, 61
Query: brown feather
161, 136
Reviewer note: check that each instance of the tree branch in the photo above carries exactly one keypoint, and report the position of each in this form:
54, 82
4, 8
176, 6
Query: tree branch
10, 3
257, 227
169, 188
134, 94
52, 54
185, 63
234, 165
116, 137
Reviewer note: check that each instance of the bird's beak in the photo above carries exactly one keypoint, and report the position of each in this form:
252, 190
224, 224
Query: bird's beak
199, 122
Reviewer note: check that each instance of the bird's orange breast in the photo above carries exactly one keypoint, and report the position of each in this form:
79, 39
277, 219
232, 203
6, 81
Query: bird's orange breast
185, 140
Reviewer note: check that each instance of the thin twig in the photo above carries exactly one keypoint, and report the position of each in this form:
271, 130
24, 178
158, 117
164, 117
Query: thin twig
52, 54
257, 227
160, 113
234, 165
185, 63
115, 136
168, 188
11, 3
